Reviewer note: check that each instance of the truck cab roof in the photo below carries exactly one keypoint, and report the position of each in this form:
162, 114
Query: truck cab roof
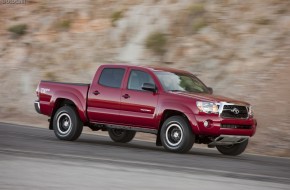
151, 68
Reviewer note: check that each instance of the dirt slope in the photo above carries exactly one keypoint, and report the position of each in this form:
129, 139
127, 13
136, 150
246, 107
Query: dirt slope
240, 48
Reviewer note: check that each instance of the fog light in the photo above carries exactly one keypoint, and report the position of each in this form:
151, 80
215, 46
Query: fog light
206, 123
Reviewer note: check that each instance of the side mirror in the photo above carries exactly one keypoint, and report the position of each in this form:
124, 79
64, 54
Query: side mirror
149, 87
210, 90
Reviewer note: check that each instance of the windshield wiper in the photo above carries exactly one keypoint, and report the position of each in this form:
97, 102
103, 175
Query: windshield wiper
177, 90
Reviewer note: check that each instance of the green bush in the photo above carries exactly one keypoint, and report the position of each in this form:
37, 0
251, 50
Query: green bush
199, 24
156, 42
64, 24
196, 9
190, 20
263, 21
18, 30
50, 76
116, 16
197, 17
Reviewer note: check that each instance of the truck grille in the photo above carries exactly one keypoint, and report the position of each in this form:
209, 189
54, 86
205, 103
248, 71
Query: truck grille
230, 126
234, 111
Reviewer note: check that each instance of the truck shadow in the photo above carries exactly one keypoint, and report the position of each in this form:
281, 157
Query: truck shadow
148, 147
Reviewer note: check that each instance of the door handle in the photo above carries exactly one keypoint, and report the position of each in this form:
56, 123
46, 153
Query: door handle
96, 92
126, 96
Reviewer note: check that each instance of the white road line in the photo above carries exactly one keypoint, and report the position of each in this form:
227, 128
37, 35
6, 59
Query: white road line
143, 163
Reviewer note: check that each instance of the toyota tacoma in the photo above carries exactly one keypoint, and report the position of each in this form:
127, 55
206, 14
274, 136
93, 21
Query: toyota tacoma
172, 104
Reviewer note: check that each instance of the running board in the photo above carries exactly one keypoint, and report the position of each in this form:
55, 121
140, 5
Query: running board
137, 129
227, 140
105, 126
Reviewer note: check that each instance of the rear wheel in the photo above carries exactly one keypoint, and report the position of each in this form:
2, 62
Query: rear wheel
176, 135
233, 150
121, 135
66, 124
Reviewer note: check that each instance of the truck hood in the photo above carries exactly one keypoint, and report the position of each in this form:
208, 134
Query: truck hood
210, 97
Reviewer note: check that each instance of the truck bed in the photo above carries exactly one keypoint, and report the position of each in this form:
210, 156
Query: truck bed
67, 83
50, 92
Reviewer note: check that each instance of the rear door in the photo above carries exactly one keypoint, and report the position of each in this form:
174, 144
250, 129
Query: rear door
138, 106
104, 95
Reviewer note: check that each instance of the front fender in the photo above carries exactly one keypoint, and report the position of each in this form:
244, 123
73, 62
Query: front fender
179, 107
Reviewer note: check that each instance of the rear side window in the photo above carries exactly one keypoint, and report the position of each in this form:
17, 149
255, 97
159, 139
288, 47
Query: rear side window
112, 77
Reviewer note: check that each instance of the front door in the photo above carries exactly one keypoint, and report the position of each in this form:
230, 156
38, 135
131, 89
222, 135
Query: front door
138, 107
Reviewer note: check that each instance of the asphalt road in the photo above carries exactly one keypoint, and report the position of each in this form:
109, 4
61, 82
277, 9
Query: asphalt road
32, 158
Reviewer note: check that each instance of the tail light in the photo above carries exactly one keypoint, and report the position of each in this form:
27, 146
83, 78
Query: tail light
37, 91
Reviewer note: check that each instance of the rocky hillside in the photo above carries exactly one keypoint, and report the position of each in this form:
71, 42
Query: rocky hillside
240, 48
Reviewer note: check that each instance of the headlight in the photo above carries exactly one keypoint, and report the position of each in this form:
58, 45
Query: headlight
207, 107
250, 110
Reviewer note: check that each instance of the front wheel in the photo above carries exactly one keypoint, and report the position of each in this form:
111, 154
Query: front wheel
121, 135
67, 124
176, 135
233, 150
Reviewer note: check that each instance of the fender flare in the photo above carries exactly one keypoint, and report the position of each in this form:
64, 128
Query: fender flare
81, 107
182, 108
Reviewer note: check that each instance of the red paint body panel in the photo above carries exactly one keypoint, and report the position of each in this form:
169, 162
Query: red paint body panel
50, 92
142, 108
139, 110
215, 127
103, 107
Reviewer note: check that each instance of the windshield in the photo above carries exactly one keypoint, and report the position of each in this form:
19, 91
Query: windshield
180, 82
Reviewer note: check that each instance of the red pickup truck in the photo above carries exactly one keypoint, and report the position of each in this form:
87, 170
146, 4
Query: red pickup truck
173, 104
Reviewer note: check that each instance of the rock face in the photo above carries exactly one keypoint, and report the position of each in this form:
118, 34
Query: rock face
240, 48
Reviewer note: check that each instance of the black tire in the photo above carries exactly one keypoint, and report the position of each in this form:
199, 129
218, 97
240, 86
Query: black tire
121, 135
176, 135
67, 124
233, 150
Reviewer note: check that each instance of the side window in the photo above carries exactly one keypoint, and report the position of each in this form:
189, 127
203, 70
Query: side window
137, 78
112, 77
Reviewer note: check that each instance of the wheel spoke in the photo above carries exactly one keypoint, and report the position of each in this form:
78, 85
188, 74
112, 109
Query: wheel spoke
174, 134
64, 123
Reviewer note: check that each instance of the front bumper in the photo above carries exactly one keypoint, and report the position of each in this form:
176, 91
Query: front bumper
37, 106
225, 140
216, 125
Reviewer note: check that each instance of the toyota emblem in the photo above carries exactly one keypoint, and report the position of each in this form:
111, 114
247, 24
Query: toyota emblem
235, 111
